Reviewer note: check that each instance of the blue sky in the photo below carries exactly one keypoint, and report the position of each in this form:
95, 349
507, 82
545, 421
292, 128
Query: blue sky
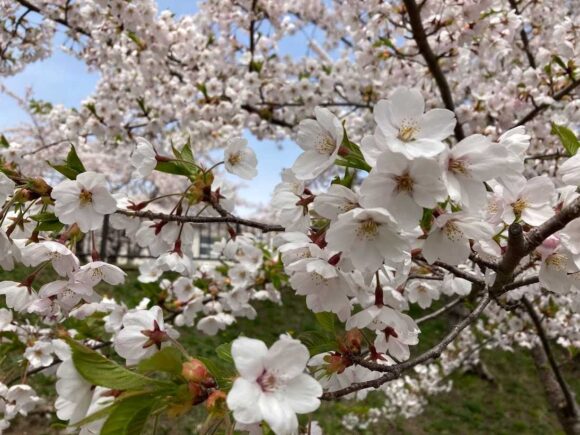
62, 79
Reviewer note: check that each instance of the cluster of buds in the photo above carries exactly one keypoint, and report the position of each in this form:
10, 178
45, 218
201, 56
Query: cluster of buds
200, 382
349, 345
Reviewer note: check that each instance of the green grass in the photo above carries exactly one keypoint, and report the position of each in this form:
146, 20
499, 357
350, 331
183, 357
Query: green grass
513, 403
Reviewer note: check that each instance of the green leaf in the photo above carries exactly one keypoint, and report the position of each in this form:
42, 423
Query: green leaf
174, 168
224, 352
130, 415
64, 170
353, 162
45, 216
99, 370
72, 167
386, 42
426, 219
318, 341
101, 413
326, 320
223, 373
138, 42
256, 66
4, 142
74, 162
186, 152
167, 360
567, 137
53, 227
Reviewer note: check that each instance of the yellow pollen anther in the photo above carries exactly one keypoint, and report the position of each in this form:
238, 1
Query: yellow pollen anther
234, 159
557, 261
404, 182
85, 197
368, 229
452, 231
457, 166
519, 206
407, 133
325, 144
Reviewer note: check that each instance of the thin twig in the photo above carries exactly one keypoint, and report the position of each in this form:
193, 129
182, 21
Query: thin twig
266, 228
395, 371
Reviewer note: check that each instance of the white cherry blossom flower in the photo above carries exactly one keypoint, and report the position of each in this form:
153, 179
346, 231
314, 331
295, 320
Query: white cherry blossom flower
239, 159
367, 237
336, 200
516, 141
272, 385
422, 293
325, 287
144, 157
149, 271
570, 170
143, 334
6, 187
211, 324
5, 319
530, 200
18, 296
338, 380
404, 187
320, 140
472, 161
403, 127
453, 285
20, 399
448, 239
83, 201
96, 271
288, 201
74, 393
63, 261
39, 354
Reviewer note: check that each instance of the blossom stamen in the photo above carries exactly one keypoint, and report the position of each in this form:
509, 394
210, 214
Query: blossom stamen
85, 197
368, 229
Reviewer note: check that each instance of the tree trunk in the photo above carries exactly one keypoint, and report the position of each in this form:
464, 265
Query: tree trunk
568, 418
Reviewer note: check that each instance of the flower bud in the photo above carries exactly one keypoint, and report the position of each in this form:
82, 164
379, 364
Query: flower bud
39, 186
351, 342
194, 370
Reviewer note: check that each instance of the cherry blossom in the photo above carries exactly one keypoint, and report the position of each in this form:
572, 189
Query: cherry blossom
83, 201
367, 237
404, 187
143, 334
320, 140
144, 157
272, 385
239, 159
403, 127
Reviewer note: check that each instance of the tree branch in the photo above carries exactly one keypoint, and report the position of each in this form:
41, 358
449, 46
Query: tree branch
62, 21
395, 371
539, 109
266, 228
571, 408
438, 312
414, 12
524, 37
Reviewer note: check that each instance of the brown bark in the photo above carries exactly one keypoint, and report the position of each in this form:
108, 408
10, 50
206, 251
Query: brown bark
569, 419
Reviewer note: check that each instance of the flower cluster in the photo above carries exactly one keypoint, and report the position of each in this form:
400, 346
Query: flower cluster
395, 205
